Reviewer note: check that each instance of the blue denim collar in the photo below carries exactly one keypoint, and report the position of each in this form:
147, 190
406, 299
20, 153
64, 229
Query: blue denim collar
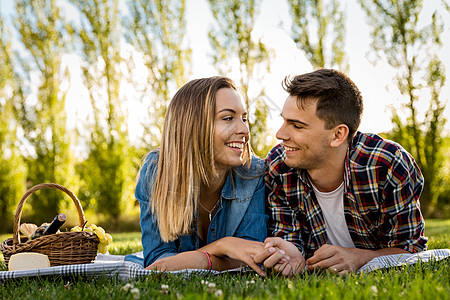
237, 186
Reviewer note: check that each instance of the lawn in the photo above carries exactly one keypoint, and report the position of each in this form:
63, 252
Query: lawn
420, 281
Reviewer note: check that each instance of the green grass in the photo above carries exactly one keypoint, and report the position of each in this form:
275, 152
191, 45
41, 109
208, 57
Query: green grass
438, 233
419, 281
125, 243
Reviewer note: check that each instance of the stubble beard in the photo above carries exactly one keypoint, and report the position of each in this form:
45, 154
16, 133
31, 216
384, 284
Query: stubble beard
306, 162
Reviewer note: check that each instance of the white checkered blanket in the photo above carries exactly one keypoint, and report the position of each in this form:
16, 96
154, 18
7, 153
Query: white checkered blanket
116, 266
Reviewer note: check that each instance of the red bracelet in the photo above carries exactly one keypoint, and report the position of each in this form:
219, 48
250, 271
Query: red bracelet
208, 257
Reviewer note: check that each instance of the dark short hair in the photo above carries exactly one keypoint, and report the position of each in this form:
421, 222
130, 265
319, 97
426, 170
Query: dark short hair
339, 101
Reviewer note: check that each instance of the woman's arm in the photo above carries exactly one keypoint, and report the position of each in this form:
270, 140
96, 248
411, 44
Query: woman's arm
180, 261
232, 252
226, 253
196, 259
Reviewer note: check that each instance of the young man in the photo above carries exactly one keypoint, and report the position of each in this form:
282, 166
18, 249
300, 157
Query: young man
337, 197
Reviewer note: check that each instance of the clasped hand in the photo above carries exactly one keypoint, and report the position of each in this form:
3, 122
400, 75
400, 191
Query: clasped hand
281, 256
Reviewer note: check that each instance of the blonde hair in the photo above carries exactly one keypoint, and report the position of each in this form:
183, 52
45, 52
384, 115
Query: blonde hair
186, 156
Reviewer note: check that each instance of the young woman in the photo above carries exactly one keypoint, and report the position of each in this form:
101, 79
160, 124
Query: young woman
202, 192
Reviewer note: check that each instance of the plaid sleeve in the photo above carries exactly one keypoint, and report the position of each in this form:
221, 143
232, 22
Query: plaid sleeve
403, 224
283, 221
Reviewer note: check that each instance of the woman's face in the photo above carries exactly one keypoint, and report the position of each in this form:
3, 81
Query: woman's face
231, 129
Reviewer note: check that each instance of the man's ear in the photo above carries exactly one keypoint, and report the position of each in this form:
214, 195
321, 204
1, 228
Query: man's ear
340, 134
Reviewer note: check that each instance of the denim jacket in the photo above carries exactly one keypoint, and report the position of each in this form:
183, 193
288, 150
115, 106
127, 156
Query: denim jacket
240, 212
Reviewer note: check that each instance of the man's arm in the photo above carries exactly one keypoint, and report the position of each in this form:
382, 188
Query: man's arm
283, 252
401, 221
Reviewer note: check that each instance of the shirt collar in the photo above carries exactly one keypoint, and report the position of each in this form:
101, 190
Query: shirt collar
229, 189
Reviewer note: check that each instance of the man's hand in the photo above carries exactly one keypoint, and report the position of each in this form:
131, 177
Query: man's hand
282, 256
184, 260
344, 260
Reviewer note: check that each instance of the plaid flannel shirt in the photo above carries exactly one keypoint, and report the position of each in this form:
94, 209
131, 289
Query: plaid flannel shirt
382, 185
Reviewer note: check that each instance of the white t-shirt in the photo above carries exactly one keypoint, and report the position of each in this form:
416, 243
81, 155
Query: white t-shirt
332, 205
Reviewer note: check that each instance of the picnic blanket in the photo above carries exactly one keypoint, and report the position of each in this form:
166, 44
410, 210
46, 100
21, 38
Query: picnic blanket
129, 267
104, 265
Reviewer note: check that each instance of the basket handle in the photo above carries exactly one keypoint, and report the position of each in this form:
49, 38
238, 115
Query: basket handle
16, 237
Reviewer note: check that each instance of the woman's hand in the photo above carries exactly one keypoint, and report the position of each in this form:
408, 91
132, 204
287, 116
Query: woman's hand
184, 260
238, 249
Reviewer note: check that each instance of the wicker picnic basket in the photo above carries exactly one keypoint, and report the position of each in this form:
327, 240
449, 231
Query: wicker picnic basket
65, 248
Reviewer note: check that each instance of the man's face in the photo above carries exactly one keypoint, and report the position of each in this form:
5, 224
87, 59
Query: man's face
305, 139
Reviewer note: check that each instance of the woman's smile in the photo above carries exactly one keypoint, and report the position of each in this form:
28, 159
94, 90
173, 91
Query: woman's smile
236, 146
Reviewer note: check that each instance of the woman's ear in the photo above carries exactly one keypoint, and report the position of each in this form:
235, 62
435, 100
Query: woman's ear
340, 134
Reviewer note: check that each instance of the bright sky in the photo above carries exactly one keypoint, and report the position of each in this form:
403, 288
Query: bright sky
376, 82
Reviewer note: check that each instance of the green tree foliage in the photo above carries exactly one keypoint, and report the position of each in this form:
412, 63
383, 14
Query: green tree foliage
262, 140
105, 173
446, 4
413, 51
318, 28
42, 112
157, 29
12, 167
231, 39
